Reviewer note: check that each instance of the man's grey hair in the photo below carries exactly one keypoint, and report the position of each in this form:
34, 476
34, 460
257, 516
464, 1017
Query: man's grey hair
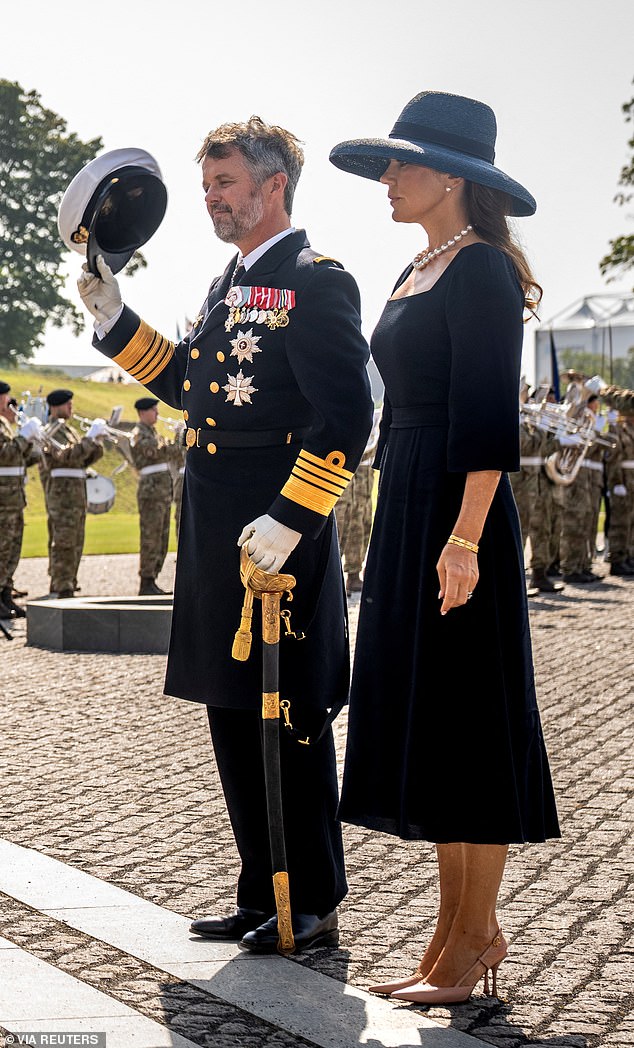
266, 149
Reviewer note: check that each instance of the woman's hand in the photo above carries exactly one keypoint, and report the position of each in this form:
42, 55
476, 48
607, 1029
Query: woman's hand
458, 576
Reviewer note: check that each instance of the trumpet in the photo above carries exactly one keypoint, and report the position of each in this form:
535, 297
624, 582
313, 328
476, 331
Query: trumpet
46, 440
177, 425
118, 437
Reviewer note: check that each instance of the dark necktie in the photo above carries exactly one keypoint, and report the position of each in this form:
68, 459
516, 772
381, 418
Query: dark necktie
238, 275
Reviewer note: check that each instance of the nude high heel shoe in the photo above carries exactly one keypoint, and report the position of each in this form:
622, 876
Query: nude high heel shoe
398, 984
490, 959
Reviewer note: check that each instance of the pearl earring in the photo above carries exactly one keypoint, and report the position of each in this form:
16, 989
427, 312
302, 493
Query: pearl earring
448, 189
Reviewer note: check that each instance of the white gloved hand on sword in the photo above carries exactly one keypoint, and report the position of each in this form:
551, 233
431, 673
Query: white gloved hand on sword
268, 543
100, 295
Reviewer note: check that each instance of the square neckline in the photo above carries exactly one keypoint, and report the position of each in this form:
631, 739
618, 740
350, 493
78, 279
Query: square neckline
418, 294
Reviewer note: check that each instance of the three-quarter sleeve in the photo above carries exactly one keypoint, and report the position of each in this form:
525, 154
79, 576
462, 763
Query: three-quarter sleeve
484, 310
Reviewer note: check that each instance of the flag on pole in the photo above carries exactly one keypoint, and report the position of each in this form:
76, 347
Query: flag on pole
554, 367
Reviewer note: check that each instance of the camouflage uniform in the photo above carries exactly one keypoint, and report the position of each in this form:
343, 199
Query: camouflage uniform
152, 456
620, 472
353, 510
544, 519
594, 465
582, 502
66, 503
525, 484
16, 454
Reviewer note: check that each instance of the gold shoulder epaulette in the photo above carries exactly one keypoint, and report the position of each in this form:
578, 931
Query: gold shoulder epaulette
327, 258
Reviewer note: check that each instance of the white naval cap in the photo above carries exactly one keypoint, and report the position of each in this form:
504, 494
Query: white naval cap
112, 206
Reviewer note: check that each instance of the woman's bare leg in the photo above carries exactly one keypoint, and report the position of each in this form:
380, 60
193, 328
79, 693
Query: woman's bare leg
475, 922
450, 872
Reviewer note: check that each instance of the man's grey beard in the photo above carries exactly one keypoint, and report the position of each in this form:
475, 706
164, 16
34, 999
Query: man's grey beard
233, 227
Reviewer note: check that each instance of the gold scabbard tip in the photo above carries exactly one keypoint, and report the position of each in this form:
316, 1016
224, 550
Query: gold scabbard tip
286, 940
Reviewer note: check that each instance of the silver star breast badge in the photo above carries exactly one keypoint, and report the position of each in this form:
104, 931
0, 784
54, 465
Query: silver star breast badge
245, 345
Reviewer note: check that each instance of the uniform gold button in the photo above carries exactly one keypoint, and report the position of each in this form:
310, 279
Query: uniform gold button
212, 449
186, 384
185, 415
194, 354
220, 356
190, 438
214, 387
210, 421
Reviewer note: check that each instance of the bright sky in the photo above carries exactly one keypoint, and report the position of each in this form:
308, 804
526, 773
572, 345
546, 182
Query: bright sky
159, 74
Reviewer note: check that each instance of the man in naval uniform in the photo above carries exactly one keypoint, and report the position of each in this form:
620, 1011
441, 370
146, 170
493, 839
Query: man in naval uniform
273, 385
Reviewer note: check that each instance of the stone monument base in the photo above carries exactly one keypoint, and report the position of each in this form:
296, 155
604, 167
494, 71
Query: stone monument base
117, 624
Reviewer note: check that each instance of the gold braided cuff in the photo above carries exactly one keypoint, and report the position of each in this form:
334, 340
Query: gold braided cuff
317, 483
455, 540
146, 354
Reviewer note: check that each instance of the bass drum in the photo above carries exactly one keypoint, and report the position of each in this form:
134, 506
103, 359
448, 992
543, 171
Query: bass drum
100, 492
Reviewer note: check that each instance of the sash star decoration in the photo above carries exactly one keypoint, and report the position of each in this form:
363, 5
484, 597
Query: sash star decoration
259, 305
245, 345
239, 389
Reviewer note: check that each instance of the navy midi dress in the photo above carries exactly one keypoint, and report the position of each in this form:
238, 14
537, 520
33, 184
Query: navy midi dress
444, 739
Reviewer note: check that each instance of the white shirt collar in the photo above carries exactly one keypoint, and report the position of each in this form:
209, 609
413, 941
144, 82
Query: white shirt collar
257, 252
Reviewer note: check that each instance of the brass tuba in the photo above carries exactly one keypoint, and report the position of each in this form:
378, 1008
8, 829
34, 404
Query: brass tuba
577, 420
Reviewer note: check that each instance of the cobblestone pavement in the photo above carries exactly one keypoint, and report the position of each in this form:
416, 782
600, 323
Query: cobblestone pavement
103, 773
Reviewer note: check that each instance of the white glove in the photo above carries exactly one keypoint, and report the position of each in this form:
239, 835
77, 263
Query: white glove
568, 440
100, 295
620, 490
31, 429
268, 542
98, 427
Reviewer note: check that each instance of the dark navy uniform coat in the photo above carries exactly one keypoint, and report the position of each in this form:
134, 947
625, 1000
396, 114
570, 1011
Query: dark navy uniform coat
277, 402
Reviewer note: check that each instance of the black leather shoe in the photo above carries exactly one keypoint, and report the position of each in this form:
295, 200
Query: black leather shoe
577, 578
543, 583
621, 567
308, 930
228, 929
148, 588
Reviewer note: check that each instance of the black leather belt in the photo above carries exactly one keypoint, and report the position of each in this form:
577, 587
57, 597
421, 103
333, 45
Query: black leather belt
259, 438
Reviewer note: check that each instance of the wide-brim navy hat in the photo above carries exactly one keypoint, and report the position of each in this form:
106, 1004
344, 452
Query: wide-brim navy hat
112, 207
449, 133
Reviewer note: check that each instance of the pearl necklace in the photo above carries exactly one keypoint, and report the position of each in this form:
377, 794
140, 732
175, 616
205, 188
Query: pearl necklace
423, 258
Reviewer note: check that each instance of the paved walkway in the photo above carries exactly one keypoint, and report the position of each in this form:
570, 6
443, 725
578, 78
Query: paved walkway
102, 777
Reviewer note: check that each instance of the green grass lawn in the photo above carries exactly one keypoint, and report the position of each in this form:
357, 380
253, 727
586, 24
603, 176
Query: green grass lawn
105, 533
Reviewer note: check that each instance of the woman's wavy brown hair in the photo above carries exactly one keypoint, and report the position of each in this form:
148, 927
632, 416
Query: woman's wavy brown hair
487, 210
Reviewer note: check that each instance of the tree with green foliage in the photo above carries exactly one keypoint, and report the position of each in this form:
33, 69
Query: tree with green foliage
38, 159
621, 255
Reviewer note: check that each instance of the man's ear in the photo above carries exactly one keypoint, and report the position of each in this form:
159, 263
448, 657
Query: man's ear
279, 182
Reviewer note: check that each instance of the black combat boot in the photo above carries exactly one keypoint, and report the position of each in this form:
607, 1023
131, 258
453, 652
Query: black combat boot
15, 611
6, 613
617, 567
148, 588
540, 580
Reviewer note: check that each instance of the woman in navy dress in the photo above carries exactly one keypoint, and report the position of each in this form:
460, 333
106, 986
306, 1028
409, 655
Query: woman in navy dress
444, 740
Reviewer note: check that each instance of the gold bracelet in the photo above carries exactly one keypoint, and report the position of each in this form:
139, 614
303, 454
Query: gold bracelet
455, 540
